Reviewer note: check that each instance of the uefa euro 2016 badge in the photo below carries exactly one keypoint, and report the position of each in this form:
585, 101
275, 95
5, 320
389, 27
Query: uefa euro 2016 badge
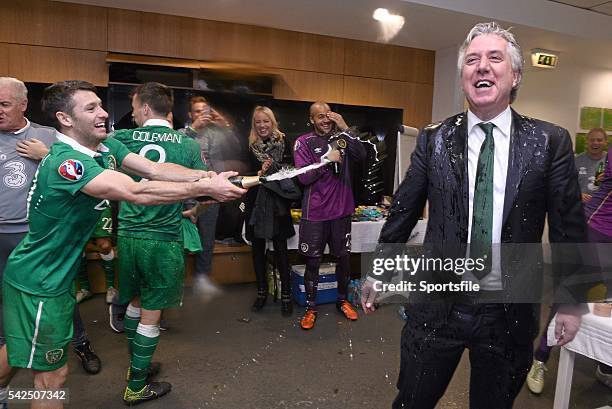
71, 169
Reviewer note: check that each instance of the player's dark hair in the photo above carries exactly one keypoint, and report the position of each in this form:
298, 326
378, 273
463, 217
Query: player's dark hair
158, 97
58, 98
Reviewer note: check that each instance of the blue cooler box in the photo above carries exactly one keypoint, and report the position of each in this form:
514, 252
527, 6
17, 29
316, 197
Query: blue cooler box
327, 290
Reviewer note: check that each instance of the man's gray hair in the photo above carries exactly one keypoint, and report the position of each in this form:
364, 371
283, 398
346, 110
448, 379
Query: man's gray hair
514, 50
20, 92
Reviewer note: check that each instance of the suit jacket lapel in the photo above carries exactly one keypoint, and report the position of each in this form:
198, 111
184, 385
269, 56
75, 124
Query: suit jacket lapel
523, 141
456, 145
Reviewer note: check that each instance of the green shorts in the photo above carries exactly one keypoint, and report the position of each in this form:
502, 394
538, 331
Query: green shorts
151, 269
104, 228
191, 237
38, 329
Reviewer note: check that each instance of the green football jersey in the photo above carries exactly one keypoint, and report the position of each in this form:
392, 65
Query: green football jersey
61, 217
160, 144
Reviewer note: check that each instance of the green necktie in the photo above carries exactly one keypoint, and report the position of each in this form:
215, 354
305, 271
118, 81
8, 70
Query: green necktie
482, 206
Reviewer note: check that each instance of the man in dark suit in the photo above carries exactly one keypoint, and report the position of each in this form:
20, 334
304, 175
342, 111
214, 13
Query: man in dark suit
490, 176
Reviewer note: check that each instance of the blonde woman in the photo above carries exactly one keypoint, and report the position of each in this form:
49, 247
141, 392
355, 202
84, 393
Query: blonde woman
267, 212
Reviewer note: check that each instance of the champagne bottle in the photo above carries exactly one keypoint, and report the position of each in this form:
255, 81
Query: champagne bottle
243, 182
246, 182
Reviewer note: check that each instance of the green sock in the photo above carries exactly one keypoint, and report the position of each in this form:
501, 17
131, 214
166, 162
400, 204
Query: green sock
143, 347
108, 265
130, 323
83, 277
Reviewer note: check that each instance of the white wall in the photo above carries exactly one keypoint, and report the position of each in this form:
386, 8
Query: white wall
557, 95
596, 90
550, 95
447, 95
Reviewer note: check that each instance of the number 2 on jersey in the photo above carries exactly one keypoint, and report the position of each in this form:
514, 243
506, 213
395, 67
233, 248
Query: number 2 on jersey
152, 147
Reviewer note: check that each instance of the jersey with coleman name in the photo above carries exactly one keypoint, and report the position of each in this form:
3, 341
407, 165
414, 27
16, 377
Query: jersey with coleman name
62, 218
159, 144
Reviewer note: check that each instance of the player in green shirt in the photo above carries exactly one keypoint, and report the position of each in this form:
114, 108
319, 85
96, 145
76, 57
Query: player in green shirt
70, 189
150, 241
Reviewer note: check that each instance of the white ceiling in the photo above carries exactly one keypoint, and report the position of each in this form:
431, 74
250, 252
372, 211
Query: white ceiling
580, 35
599, 6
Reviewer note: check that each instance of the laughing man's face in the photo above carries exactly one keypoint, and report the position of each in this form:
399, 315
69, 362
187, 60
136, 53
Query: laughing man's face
487, 76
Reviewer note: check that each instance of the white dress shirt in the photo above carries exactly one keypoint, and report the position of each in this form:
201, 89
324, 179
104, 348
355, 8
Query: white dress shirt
501, 137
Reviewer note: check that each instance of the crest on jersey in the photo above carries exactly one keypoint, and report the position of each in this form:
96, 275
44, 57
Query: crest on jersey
112, 162
71, 169
54, 356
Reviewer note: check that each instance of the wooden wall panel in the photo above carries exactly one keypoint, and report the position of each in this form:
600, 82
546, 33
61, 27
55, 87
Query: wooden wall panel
418, 100
40, 22
389, 62
151, 34
182, 37
63, 40
373, 92
234, 42
373, 60
422, 66
48, 64
414, 99
308, 86
4, 64
270, 47
307, 52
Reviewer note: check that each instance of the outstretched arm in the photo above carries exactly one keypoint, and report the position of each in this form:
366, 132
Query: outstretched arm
113, 185
169, 172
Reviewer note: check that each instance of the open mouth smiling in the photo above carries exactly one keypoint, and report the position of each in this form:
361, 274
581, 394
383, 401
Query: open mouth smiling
483, 84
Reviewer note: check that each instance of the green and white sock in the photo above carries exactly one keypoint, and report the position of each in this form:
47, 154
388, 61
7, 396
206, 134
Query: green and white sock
130, 323
83, 277
108, 265
143, 348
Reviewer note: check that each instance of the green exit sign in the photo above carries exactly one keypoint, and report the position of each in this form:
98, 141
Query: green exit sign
543, 59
